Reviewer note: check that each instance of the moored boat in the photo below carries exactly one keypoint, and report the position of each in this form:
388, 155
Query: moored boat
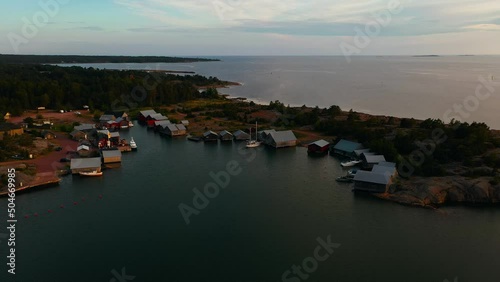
253, 143
91, 173
194, 138
350, 163
133, 145
346, 179
130, 124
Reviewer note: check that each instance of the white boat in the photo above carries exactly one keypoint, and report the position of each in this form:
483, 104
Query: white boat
350, 163
253, 143
133, 145
130, 124
91, 173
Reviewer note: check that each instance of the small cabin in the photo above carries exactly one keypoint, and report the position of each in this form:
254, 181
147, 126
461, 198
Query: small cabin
111, 156
225, 135
370, 160
346, 148
210, 136
175, 130
281, 139
240, 135
85, 165
378, 180
318, 147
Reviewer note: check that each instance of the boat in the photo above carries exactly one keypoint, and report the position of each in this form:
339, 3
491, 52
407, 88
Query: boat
350, 163
194, 138
91, 173
345, 179
133, 145
253, 143
130, 124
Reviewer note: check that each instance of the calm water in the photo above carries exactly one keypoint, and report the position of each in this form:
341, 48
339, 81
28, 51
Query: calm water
265, 221
399, 86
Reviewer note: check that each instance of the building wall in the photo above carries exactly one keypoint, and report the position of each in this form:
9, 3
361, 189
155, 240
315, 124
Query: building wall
90, 169
371, 187
109, 160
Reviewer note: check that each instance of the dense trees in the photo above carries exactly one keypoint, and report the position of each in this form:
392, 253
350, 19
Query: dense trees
46, 59
30, 86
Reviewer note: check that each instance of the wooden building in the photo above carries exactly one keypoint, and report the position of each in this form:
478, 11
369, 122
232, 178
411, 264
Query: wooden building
161, 125
10, 129
281, 139
144, 115
370, 160
85, 127
85, 165
111, 156
174, 130
318, 147
240, 135
378, 180
346, 148
262, 135
225, 135
210, 136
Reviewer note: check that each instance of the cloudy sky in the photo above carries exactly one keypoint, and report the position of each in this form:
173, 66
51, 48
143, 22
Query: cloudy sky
248, 27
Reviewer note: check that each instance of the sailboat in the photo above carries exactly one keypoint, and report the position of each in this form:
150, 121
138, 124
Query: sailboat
253, 143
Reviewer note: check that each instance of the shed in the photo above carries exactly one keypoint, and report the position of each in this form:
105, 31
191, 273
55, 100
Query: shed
111, 156
78, 135
174, 130
262, 135
86, 127
318, 147
240, 135
225, 135
346, 148
85, 165
160, 125
210, 136
376, 181
370, 160
281, 139
143, 115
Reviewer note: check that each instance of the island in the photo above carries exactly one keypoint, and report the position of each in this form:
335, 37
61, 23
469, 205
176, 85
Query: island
438, 163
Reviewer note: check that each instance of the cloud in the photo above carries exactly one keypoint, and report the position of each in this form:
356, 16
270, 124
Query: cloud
485, 27
90, 27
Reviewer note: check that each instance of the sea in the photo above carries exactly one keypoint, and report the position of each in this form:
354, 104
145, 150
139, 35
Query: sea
177, 210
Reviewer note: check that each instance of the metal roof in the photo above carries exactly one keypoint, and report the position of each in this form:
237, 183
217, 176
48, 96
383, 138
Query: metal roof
185, 122
158, 117
384, 169
209, 133
85, 163
162, 123
320, 143
171, 127
240, 132
114, 134
347, 146
371, 177
107, 117
372, 159
83, 147
361, 151
147, 113
180, 126
111, 153
389, 164
283, 136
225, 132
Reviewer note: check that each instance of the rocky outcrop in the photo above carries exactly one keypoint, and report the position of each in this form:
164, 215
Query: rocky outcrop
433, 192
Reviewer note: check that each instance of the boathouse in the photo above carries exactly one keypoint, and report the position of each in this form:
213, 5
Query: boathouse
225, 135
153, 118
85, 165
85, 127
318, 147
161, 125
240, 135
262, 135
143, 115
281, 139
370, 160
362, 151
346, 148
210, 136
104, 119
376, 181
111, 156
175, 130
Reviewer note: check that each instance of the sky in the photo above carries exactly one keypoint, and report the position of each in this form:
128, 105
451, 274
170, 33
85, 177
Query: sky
250, 27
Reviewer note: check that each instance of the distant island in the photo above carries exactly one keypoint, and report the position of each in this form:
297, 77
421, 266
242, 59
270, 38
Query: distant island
77, 59
426, 56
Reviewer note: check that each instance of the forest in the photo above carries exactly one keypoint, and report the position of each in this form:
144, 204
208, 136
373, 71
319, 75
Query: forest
24, 87
73, 59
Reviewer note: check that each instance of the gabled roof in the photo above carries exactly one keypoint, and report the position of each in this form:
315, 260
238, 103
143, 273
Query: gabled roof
146, 113
240, 132
225, 132
347, 146
180, 126
158, 117
114, 134
172, 127
361, 151
372, 159
75, 132
85, 126
209, 133
320, 143
107, 117
185, 122
162, 123
371, 177
111, 153
85, 163
267, 132
384, 169
83, 147
283, 136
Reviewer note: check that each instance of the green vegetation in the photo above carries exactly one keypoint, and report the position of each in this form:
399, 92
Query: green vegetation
25, 87
46, 59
